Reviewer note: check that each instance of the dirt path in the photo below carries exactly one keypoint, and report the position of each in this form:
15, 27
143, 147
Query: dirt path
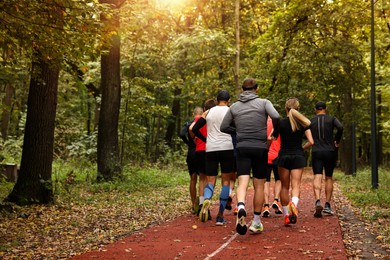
188, 238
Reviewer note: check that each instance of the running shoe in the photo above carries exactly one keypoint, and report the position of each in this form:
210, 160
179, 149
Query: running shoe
235, 211
318, 210
220, 221
256, 227
286, 220
204, 212
293, 213
265, 212
199, 209
327, 209
229, 203
277, 207
241, 227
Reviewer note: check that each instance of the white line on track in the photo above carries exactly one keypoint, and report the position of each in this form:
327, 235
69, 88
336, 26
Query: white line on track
222, 246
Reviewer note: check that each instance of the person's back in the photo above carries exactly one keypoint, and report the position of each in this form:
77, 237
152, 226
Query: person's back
322, 127
291, 142
247, 110
217, 140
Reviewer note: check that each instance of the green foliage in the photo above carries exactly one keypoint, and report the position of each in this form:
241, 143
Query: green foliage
72, 179
374, 203
11, 150
310, 49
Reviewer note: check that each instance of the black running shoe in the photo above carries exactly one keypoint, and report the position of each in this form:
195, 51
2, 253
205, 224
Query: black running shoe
241, 227
318, 210
327, 209
229, 203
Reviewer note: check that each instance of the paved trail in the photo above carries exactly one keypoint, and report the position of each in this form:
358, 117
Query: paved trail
309, 238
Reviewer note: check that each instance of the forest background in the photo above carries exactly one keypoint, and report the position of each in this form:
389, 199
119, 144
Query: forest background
108, 84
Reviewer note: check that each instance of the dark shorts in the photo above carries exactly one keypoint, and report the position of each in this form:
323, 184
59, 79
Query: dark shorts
191, 163
324, 160
201, 161
224, 159
254, 159
291, 161
272, 168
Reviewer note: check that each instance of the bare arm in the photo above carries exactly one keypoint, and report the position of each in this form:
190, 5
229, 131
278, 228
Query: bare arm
310, 140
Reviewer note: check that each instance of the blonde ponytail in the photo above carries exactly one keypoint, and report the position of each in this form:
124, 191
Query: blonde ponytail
297, 120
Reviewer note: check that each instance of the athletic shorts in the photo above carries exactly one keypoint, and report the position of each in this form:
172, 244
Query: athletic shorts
191, 163
255, 159
291, 161
324, 160
201, 161
224, 159
272, 168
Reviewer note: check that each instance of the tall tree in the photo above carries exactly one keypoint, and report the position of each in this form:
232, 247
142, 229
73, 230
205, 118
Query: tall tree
40, 28
108, 145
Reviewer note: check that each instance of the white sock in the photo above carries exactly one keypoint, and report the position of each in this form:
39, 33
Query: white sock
295, 200
241, 207
201, 200
256, 219
285, 210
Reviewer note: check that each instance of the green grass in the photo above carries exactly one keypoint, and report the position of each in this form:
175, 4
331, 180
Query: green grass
373, 204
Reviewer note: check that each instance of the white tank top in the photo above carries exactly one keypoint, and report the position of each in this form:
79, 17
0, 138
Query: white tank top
216, 140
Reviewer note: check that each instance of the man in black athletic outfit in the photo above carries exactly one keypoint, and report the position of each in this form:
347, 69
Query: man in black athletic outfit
324, 154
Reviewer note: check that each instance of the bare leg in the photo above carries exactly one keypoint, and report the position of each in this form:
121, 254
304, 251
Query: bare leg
328, 188
258, 198
317, 183
194, 179
202, 183
266, 192
285, 181
243, 182
277, 188
296, 176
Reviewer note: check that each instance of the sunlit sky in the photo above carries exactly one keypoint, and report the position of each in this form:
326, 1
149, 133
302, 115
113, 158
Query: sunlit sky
171, 4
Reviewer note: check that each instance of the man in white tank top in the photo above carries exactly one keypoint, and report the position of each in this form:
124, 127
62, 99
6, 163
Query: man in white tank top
219, 152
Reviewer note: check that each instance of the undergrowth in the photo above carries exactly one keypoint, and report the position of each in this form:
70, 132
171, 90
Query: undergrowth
373, 204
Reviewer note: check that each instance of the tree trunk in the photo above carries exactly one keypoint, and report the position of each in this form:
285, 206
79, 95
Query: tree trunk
174, 117
34, 181
346, 146
237, 70
379, 124
108, 145
7, 102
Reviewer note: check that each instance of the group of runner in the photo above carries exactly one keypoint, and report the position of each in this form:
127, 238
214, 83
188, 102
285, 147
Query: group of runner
250, 137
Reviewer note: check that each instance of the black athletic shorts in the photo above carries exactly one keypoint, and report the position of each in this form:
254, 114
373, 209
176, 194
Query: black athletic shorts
324, 160
224, 159
291, 161
272, 168
201, 161
191, 163
254, 159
